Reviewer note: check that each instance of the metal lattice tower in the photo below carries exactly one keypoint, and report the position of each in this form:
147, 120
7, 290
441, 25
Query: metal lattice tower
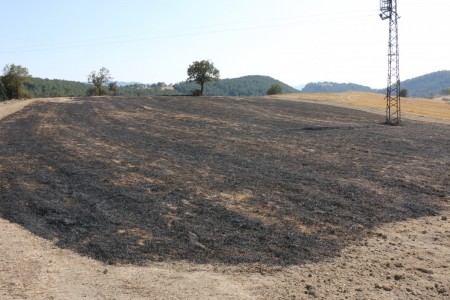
389, 11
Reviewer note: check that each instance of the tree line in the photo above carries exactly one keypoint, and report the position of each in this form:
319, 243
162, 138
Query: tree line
253, 85
203, 77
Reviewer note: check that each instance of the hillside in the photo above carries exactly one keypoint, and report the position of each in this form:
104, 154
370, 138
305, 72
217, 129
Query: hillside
429, 85
41, 88
425, 86
140, 90
243, 86
334, 87
253, 85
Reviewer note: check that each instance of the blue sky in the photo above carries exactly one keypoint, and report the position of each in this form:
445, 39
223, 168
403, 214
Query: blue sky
295, 41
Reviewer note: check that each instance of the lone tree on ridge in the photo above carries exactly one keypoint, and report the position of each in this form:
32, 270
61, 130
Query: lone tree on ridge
202, 72
14, 76
100, 81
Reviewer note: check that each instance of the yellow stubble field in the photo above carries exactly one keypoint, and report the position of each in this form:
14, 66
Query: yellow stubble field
411, 108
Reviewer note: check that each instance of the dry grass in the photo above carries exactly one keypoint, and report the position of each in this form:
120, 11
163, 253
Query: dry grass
419, 107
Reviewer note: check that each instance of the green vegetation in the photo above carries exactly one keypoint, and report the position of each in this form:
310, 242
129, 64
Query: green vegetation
2, 91
429, 85
333, 87
404, 93
100, 80
274, 89
254, 85
142, 90
12, 82
202, 72
16, 83
42, 88
426, 86
113, 88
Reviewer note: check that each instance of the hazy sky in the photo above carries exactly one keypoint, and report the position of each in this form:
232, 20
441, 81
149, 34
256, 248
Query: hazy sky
295, 41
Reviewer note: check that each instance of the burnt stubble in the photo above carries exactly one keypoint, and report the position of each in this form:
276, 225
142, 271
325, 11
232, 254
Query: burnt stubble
215, 180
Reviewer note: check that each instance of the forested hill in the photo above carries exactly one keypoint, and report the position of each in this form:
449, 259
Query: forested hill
254, 85
426, 86
38, 87
243, 86
333, 87
429, 85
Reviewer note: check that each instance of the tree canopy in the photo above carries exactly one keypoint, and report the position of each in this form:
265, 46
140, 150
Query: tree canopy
202, 72
38, 87
403, 93
274, 89
253, 85
334, 87
12, 81
100, 81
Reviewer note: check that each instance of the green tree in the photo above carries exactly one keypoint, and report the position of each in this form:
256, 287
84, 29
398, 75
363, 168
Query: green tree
100, 80
13, 79
403, 93
202, 72
2, 91
113, 88
274, 89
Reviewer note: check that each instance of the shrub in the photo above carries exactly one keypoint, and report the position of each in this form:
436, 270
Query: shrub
274, 89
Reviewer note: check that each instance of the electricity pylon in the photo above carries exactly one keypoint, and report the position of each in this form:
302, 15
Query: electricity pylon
389, 11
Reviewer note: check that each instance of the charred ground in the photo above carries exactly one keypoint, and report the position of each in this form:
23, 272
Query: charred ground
220, 180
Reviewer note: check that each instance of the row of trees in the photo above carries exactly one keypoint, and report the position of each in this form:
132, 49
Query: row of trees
15, 76
16, 82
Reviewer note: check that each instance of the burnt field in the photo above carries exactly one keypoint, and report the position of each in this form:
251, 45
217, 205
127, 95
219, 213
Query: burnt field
215, 180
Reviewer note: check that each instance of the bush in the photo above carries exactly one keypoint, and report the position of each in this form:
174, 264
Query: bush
196, 92
403, 93
2, 91
274, 89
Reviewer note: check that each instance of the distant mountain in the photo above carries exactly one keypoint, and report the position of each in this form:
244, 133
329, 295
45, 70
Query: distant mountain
254, 85
429, 85
426, 86
333, 87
